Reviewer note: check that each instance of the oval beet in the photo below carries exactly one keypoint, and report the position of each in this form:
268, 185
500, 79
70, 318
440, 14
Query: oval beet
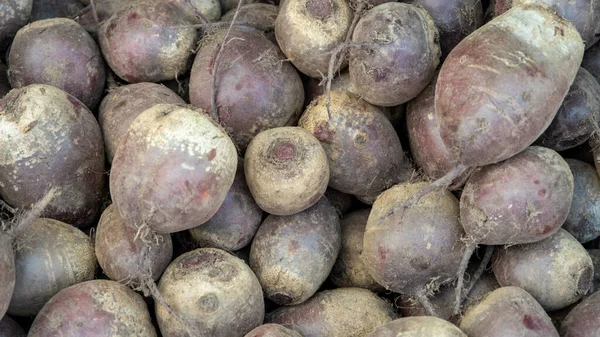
149, 41
583, 221
584, 319
293, 255
50, 139
123, 104
14, 14
400, 67
556, 271
418, 327
58, 52
172, 170
237, 220
99, 308
49, 256
7, 265
214, 293
342, 312
256, 88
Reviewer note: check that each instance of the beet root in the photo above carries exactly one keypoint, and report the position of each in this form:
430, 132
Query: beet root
94, 308
272, 330
507, 312
584, 319
556, 271
7, 265
583, 221
195, 160
417, 327
214, 293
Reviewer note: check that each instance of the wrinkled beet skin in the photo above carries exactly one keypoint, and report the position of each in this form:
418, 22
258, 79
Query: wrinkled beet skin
58, 52
577, 117
237, 220
455, 19
583, 320
122, 256
98, 308
47, 9
256, 89
491, 109
123, 104
76, 166
523, 199
10, 328
7, 266
272, 330
507, 312
583, 221
14, 14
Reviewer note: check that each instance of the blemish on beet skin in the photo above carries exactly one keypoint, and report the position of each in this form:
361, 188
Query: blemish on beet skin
383, 252
293, 246
212, 154
537, 182
542, 192
531, 323
132, 16
284, 151
547, 229
74, 101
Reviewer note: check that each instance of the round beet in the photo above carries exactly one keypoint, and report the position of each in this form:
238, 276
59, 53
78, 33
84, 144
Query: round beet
235, 223
342, 312
7, 265
99, 308
256, 89
591, 61
272, 330
286, 170
400, 251
307, 31
123, 104
403, 63
578, 115
507, 312
123, 255
583, 221
584, 319
49, 256
523, 199
149, 41
556, 271
349, 269
364, 151
214, 293
14, 14
49, 138
418, 327
293, 255
341, 201
172, 170
58, 52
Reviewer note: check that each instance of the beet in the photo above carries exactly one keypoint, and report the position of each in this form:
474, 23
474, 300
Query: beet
7, 265
214, 294
51, 139
10, 328
591, 61
256, 89
584, 319
556, 271
48, 9
417, 327
123, 104
293, 255
595, 255
342, 202
94, 308
342, 312
583, 221
172, 170
210, 9
14, 14
272, 330
38, 47
261, 16
399, 68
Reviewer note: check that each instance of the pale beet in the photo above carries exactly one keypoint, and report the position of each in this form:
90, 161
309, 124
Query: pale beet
272, 330
418, 327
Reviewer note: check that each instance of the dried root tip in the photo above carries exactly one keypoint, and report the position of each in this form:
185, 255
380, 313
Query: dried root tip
487, 257
6, 207
35, 211
460, 277
426, 303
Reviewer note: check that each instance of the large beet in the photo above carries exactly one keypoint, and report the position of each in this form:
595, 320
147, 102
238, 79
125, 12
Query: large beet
172, 170
49, 138
99, 308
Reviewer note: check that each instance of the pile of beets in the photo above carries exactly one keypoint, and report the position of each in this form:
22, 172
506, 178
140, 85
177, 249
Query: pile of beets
289, 168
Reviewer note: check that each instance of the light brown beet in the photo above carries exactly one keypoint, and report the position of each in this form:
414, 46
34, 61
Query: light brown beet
293, 255
49, 256
406, 57
172, 170
51, 139
363, 149
7, 265
507, 312
14, 14
58, 52
149, 41
123, 104
584, 319
272, 330
556, 271
307, 31
94, 308
342, 312
214, 293
127, 258
418, 327
237, 220
286, 170
583, 221
256, 89
349, 269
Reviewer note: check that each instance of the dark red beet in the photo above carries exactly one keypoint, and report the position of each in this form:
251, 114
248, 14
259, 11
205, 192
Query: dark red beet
14, 14
583, 221
591, 60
